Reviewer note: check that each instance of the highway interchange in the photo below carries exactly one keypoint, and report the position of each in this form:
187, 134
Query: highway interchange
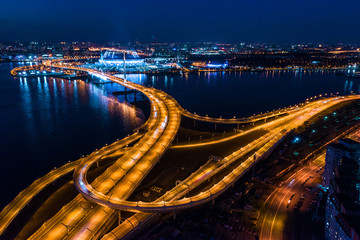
92, 212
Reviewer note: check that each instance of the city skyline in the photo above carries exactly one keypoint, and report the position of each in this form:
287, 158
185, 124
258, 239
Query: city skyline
179, 120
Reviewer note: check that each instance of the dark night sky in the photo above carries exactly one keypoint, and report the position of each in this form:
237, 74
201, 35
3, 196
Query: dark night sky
187, 20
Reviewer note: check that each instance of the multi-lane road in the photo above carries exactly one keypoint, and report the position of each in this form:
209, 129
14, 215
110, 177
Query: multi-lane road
13, 209
283, 200
282, 203
122, 178
125, 229
274, 128
92, 212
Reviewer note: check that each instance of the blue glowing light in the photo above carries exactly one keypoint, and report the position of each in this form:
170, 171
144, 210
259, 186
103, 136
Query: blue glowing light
212, 65
296, 140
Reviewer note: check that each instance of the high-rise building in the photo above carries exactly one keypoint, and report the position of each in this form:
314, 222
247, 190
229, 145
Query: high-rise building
342, 172
334, 154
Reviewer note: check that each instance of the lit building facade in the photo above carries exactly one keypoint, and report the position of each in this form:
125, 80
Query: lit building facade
342, 213
334, 154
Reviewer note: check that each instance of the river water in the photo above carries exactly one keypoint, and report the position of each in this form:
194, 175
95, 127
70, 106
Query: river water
44, 122
246, 93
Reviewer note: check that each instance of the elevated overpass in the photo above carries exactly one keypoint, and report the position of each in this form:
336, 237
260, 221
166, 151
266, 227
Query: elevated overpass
24, 197
109, 192
63, 64
275, 133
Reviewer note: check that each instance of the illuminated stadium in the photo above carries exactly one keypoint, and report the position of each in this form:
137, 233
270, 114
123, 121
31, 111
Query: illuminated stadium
117, 59
112, 59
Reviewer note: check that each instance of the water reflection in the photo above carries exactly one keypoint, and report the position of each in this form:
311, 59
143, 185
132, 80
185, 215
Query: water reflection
350, 87
247, 93
48, 121
54, 98
345, 87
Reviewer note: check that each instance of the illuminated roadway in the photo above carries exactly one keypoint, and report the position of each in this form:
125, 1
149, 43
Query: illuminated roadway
275, 215
111, 201
61, 63
81, 219
122, 178
23, 198
275, 210
171, 205
140, 219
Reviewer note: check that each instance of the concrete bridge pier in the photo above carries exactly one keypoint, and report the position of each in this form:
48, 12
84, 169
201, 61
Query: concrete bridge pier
119, 217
